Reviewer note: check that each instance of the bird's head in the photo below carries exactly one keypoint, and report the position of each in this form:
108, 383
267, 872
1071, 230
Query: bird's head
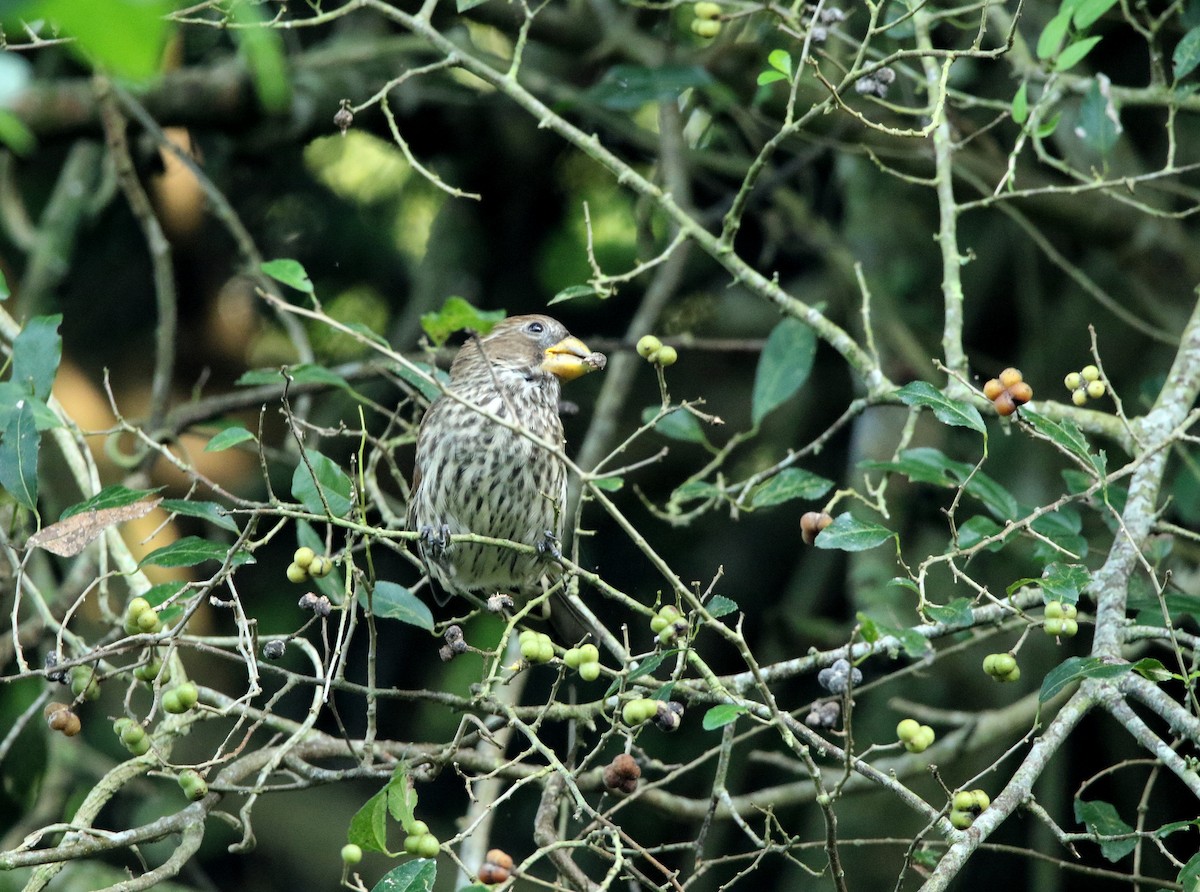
532, 344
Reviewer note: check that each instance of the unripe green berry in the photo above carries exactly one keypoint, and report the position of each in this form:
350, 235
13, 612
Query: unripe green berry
140, 748
417, 828
706, 28
961, 820
188, 694
573, 658
648, 345
411, 842
428, 846
982, 800
707, 10
667, 356
149, 622
132, 734
907, 729
351, 854
171, 704
963, 800
1073, 381
1090, 373
589, 654
84, 683
303, 556
1095, 389
589, 671
545, 652
1079, 397
1054, 610
137, 607
658, 623
1053, 627
297, 574
193, 785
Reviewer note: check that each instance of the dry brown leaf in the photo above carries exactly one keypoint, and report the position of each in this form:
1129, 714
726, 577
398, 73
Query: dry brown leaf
70, 536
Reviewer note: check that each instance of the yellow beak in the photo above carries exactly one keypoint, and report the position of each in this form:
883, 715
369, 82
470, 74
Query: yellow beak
570, 358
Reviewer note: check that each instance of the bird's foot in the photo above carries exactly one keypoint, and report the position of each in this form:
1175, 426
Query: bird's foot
547, 546
435, 542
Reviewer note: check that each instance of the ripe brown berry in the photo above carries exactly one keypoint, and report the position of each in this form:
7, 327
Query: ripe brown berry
1004, 404
1021, 393
622, 773
993, 388
811, 523
1011, 376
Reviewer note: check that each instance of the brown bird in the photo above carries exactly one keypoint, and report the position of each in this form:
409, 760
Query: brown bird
475, 475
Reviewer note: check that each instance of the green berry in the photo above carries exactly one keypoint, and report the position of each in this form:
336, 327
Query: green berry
1054, 610
1053, 627
1095, 389
921, 740
1079, 397
589, 654
320, 567
637, 711
132, 735
297, 574
667, 635
351, 854
149, 622
963, 800
1090, 373
530, 650
1073, 381
193, 785
121, 724
411, 842
418, 829
171, 703
137, 607
657, 624
707, 10
573, 658
982, 800
84, 683
545, 652
304, 556
667, 355
907, 729
961, 820
589, 671
149, 671
428, 846
188, 694
999, 665
648, 345
706, 28
140, 748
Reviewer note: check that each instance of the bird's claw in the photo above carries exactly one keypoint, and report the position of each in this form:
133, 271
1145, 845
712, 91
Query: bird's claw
435, 541
547, 546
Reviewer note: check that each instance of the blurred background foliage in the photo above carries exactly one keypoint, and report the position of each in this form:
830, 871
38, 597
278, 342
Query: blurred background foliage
383, 245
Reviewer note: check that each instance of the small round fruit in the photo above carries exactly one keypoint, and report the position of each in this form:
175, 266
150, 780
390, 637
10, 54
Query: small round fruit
171, 703
707, 10
490, 874
1090, 373
573, 658
149, 671
1011, 376
418, 829
1054, 610
303, 556
84, 683
961, 820
589, 671
351, 854
907, 729
1073, 381
993, 388
320, 567
963, 800
706, 28
296, 573
982, 799
132, 734
648, 345
811, 523
188, 694
411, 842
137, 607
1095, 389
193, 785
1004, 404
545, 651
1070, 628
531, 648
428, 846
1079, 397
667, 356
1053, 627
140, 748
149, 622
1021, 393
658, 623
589, 654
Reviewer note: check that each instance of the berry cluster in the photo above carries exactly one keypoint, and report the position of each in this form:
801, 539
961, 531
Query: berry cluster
585, 660
1060, 620
420, 842
839, 677
84, 684
916, 737
133, 736
60, 718
1002, 667
666, 714
651, 348
1008, 391
307, 564
706, 24
668, 624
622, 773
180, 698
140, 618
966, 806
496, 867
536, 647
1084, 385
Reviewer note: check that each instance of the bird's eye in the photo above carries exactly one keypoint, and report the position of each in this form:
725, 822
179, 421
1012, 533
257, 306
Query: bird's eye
535, 328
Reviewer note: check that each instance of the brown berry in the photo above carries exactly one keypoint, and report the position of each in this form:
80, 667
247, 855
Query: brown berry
1011, 376
62, 719
1004, 404
490, 874
1021, 393
993, 388
622, 773
811, 523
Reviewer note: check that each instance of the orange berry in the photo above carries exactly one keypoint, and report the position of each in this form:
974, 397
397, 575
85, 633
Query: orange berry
993, 388
1021, 393
1004, 404
1011, 376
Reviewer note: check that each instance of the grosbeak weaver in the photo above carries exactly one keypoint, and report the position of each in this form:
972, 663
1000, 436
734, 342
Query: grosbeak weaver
474, 475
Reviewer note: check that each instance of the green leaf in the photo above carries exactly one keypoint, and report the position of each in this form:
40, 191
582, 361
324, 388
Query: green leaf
781, 61
694, 490
19, 456
37, 350
392, 601
5, 294
401, 796
912, 642
20, 139
677, 424
134, 50
1075, 669
571, 292
788, 484
330, 481
1187, 54
722, 715
978, 528
192, 550
210, 511
262, 49
1020, 104
770, 77
228, 438
847, 533
455, 315
114, 496
956, 613
301, 373
1052, 35
629, 87
368, 827
1064, 582
1088, 12
1047, 127
928, 465
1154, 670
1189, 876
719, 605
423, 386
952, 412
1101, 818
784, 366
1065, 434
1062, 528
1099, 121
1075, 53
289, 272
609, 484
417, 875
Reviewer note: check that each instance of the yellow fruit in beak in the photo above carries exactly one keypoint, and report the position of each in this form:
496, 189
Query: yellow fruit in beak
570, 358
